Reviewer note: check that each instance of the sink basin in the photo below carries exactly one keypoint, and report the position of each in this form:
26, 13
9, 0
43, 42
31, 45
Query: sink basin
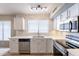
38, 36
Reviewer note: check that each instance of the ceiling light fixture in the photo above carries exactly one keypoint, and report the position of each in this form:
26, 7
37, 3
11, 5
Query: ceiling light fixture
38, 8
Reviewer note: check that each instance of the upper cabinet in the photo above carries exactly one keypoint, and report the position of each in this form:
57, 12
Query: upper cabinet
76, 10
73, 11
55, 23
63, 16
70, 12
19, 23
58, 22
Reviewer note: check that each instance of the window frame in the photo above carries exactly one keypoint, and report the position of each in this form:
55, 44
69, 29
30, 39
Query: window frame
3, 25
38, 25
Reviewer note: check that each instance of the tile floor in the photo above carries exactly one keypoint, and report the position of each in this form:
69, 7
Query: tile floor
3, 51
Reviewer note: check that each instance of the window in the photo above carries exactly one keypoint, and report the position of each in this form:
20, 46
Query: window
5, 30
40, 26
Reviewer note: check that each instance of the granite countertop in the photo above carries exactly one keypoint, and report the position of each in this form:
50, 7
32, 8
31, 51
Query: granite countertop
30, 37
73, 52
57, 35
21, 37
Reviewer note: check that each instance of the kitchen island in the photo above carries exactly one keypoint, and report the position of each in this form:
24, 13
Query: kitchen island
41, 45
34, 45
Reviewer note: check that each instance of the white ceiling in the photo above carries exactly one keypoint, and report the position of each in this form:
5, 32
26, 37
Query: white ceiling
24, 8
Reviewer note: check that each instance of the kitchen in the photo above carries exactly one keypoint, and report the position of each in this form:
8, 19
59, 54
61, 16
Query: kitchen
39, 29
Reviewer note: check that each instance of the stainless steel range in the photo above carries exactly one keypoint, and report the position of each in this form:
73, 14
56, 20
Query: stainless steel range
72, 41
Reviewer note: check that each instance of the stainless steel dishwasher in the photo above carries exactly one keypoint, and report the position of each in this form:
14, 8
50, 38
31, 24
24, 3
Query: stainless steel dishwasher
24, 45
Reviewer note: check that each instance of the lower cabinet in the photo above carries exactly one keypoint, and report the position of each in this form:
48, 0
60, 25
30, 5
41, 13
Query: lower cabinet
33, 45
49, 46
41, 46
14, 46
38, 46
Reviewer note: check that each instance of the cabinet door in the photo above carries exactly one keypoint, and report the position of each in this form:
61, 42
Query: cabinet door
64, 17
14, 47
69, 11
58, 22
61, 16
49, 45
19, 23
55, 23
41, 45
74, 10
38, 46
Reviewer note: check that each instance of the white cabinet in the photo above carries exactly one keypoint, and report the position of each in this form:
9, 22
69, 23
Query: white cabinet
64, 15
69, 13
58, 22
19, 23
76, 8
44, 45
55, 23
49, 45
73, 10
38, 46
72, 13
14, 46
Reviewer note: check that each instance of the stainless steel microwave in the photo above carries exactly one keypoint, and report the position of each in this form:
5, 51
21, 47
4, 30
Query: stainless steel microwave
74, 25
